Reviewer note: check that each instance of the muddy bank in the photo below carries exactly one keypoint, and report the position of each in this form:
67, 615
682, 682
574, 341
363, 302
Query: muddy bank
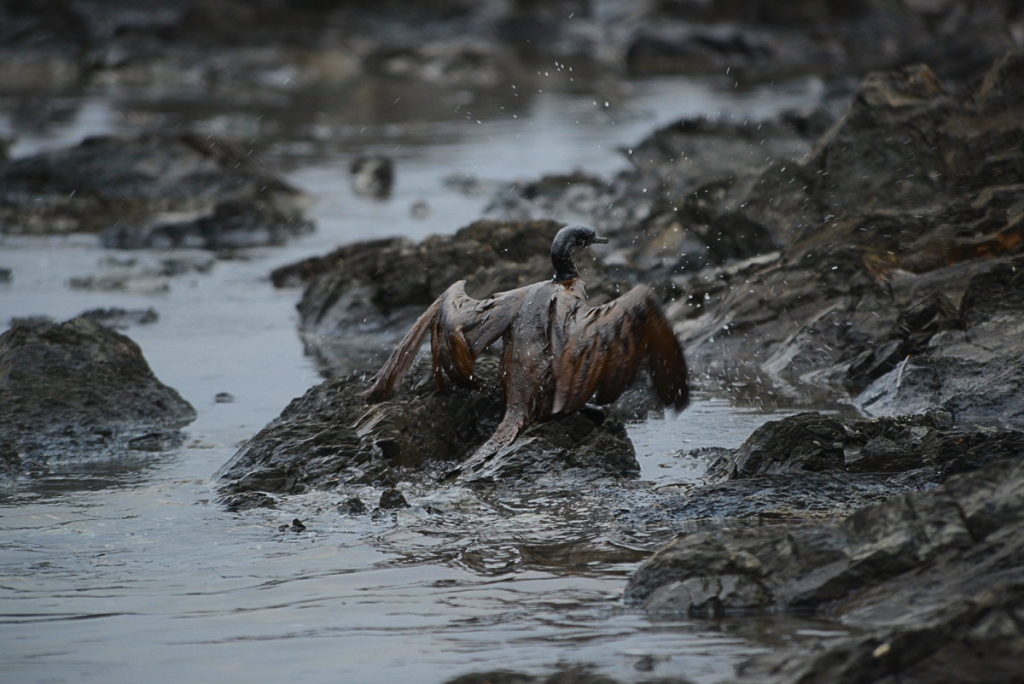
80, 391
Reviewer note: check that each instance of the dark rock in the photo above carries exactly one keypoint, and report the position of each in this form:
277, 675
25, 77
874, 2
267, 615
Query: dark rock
296, 526
372, 176
805, 442
156, 441
752, 37
583, 440
791, 498
144, 274
119, 319
112, 183
811, 466
353, 506
362, 298
925, 574
6, 275
224, 398
921, 579
80, 390
887, 226
234, 224
564, 674
391, 499
244, 501
331, 437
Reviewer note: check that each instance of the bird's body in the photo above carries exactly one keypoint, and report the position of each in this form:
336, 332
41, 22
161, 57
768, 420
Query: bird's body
558, 354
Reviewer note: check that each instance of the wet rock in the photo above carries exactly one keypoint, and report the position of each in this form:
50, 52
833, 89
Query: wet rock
887, 227
759, 38
120, 319
929, 444
420, 209
362, 298
812, 466
463, 63
564, 674
782, 498
144, 274
583, 440
391, 499
126, 184
805, 442
234, 224
6, 275
929, 574
296, 526
244, 501
78, 390
973, 372
678, 208
372, 176
330, 437
224, 398
353, 506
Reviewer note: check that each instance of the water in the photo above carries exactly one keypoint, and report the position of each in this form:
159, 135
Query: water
127, 570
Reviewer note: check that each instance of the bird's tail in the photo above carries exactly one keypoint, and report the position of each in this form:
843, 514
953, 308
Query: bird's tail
398, 364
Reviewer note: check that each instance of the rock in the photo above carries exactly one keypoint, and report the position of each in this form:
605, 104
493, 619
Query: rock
362, 298
811, 466
330, 437
353, 506
145, 274
224, 398
929, 574
125, 185
973, 372
234, 224
372, 176
119, 319
677, 209
6, 275
563, 674
78, 390
879, 256
757, 38
391, 499
419, 209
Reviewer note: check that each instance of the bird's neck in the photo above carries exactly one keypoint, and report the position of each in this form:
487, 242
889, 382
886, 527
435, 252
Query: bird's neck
565, 267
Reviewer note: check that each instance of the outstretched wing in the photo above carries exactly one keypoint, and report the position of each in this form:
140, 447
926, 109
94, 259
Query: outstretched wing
460, 328
605, 347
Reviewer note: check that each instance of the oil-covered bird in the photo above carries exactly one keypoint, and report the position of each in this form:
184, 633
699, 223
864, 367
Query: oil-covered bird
558, 353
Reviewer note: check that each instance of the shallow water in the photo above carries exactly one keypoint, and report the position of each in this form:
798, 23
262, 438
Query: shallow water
127, 570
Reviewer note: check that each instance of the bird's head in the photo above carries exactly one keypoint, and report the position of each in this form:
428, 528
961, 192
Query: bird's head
566, 240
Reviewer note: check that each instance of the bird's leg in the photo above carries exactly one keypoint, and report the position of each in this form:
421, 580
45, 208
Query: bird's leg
505, 434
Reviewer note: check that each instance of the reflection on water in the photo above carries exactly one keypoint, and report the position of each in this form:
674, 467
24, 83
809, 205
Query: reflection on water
123, 571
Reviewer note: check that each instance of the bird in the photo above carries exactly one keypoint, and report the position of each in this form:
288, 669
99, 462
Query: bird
558, 354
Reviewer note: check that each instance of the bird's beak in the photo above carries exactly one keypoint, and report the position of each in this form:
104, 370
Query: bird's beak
600, 241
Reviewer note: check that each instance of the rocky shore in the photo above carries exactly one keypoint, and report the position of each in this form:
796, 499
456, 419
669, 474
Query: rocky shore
865, 253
